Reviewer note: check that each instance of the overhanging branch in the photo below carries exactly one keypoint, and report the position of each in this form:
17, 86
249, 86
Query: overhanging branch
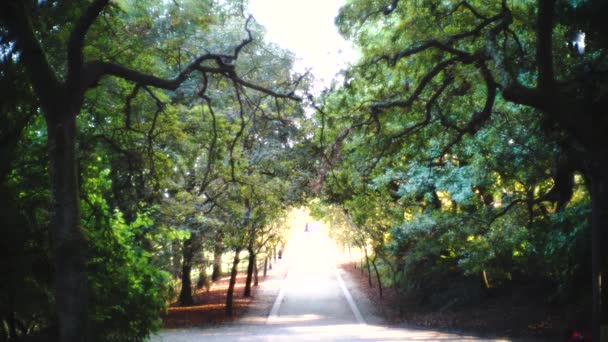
94, 71
378, 106
446, 45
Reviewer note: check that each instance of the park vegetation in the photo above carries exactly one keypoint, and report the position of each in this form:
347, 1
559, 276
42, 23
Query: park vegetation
142, 142
465, 153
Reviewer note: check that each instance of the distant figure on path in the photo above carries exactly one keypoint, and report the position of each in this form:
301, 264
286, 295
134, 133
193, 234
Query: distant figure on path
306, 227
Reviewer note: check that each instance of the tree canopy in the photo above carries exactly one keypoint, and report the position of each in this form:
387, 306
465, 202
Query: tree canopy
162, 127
468, 141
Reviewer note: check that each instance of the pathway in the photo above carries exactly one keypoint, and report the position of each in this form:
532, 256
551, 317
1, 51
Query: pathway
311, 303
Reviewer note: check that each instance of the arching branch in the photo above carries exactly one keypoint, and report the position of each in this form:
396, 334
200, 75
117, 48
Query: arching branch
432, 102
424, 82
446, 45
224, 65
469, 7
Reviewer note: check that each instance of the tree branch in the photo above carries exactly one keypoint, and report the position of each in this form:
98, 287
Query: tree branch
447, 44
96, 70
132, 95
76, 41
246, 41
211, 156
378, 106
267, 91
468, 6
479, 118
544, 48
428, 113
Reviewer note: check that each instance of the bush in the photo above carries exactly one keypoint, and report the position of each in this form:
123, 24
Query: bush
127, 292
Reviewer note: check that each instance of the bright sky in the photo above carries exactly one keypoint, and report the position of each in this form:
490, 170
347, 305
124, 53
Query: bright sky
307, 28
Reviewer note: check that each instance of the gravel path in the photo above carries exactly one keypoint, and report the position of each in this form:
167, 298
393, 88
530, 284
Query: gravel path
306, 298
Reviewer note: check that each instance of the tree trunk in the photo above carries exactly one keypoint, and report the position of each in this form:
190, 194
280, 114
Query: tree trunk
233, 274
270, 262
265, 266
599, 217
377, 276
255, 273
203, 278
217, 260
176, 265
369, 271
250, 268
67, 236
185, 295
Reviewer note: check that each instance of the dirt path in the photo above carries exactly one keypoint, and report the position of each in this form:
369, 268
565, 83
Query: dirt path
307, 298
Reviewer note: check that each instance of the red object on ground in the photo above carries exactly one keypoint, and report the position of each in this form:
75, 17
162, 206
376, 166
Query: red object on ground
580, 335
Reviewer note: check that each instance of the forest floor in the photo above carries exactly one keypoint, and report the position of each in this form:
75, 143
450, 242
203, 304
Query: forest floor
520, 318
210, 305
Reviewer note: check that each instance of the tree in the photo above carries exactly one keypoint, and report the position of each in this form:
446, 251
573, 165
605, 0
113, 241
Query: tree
436, 76
61, 72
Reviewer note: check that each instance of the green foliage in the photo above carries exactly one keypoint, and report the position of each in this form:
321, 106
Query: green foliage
439, 178
127, 291
209, 162
26, 300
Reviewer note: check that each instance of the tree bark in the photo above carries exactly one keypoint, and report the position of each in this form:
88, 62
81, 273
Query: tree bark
217, 259
176, 265
256, 279
265, 266
250, 268
67, 235
233, 274
377, 276
203, 278
369, 270
185, 295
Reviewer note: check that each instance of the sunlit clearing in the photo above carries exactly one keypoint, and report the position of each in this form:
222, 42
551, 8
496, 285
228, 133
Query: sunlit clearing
308, 251
314, 248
